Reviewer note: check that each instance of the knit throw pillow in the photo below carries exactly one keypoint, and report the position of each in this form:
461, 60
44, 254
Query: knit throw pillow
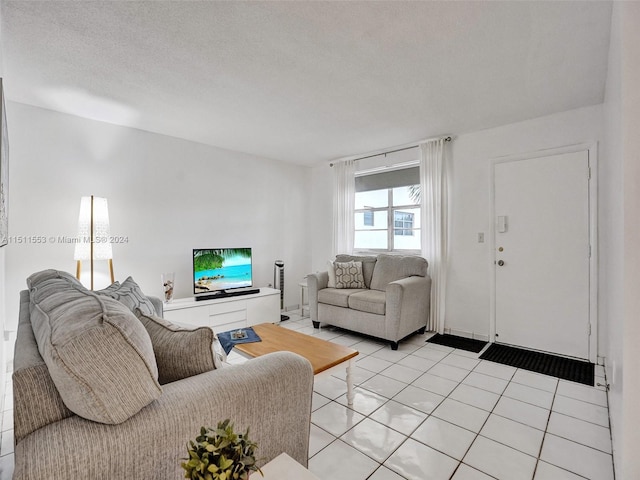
180, 352
349, 275
130, 294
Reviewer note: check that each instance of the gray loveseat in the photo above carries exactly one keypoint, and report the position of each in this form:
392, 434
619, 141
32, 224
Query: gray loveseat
392, 304
270, 394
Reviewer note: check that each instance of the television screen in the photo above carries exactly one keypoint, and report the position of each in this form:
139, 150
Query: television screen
216, 270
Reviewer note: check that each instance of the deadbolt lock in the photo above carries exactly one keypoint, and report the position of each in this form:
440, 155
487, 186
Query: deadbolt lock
500, 249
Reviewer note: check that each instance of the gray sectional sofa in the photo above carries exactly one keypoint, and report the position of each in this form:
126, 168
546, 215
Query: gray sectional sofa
390, 301
103, 393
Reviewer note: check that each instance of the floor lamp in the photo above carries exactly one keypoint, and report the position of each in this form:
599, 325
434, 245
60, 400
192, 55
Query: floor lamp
93, 235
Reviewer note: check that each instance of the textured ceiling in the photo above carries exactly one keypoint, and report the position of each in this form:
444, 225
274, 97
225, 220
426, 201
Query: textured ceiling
305, 81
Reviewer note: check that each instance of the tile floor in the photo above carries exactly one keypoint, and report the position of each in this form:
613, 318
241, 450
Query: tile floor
427, 412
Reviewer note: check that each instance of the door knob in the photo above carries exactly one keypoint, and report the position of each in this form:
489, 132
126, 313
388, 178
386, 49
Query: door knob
500, 263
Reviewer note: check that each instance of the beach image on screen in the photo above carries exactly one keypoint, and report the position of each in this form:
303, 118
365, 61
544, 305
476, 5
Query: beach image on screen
221, 269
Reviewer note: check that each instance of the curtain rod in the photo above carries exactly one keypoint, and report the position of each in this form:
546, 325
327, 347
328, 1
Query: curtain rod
446, 139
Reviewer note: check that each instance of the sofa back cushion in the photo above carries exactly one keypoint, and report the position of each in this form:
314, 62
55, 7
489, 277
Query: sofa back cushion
368, 264
390, 268
180, 352
98, 353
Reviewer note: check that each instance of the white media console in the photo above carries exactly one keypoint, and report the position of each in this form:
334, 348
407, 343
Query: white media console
226, 313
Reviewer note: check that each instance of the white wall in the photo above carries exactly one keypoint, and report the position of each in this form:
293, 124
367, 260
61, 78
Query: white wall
468, 287
3, 309
165, 195
321, 216
3, 303
630, 102
467, 307
620, 237
611, 227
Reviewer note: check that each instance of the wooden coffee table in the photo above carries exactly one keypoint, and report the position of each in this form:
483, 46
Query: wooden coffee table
322, 354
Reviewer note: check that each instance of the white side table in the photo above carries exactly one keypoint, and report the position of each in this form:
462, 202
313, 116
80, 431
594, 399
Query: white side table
283, 467
303, 287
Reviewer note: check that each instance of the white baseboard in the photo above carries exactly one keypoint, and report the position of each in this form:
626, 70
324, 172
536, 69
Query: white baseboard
465, 334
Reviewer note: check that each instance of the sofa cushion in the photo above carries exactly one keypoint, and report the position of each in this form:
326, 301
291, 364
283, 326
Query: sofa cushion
368, 264
129, 294
331, 271
371, 301
50, 274
390, 268
171, 344
336, 296
98, 353
349, 275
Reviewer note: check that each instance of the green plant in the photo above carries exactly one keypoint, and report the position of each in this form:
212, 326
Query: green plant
221, 454
415, 193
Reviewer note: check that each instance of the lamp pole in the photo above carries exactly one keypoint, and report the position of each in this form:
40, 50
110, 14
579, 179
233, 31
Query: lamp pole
91, 244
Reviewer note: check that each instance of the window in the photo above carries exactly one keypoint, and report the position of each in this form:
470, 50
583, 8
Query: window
387, 211
368, 218
402, 223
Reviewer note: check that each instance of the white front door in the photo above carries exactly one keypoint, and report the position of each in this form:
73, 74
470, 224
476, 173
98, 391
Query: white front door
542, 253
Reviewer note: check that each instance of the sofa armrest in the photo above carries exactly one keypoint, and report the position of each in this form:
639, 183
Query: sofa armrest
315, 283
271, 395
407, 306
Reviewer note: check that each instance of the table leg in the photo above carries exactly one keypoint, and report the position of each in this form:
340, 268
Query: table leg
349, 384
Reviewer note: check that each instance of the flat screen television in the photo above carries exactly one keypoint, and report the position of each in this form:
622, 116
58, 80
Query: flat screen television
222, 269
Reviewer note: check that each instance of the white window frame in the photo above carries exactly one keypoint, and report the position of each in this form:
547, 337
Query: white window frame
389, 228
403, 228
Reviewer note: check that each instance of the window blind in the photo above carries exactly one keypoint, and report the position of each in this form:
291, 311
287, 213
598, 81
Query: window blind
389, 179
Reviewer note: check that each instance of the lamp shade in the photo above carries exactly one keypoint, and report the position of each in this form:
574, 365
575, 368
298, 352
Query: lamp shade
101, 231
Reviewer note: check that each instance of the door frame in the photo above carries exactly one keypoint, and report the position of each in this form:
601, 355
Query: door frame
592, 149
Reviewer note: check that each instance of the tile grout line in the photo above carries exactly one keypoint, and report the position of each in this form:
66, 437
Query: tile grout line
477, 434
448, 396
407, 437
546, 429
613, 458
442, 361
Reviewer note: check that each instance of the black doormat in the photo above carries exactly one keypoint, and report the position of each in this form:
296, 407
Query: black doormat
561, 367
462, 343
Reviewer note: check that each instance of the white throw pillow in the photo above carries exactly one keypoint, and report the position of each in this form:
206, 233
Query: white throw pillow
331, 269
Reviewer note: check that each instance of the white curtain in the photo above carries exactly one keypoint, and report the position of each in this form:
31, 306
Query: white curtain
434, 220
344, 188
